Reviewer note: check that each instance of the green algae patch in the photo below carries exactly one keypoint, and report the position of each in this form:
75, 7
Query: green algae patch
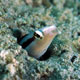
64, 63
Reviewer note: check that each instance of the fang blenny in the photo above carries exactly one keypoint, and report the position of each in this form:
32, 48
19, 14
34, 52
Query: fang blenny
37, 42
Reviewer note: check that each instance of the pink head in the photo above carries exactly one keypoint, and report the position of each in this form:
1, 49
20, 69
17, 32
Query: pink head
50, 31
46, 35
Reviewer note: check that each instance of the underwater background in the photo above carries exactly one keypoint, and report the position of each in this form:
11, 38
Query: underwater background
27, 15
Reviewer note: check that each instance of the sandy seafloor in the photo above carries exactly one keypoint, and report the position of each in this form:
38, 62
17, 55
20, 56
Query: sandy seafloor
64, 64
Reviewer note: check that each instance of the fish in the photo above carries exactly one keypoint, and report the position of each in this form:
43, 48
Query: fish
37, 43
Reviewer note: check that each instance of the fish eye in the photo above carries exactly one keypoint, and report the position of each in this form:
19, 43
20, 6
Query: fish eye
38, 35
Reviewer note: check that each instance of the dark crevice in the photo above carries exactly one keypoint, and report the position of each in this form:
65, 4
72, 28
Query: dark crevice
46, 56
78, 33
73, 58
78, 10
42, 23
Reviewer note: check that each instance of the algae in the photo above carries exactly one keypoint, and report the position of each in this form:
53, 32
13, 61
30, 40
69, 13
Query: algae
64, 64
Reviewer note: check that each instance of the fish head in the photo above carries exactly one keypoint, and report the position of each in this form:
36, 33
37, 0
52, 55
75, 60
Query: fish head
46, 33
42, 40
50, 32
